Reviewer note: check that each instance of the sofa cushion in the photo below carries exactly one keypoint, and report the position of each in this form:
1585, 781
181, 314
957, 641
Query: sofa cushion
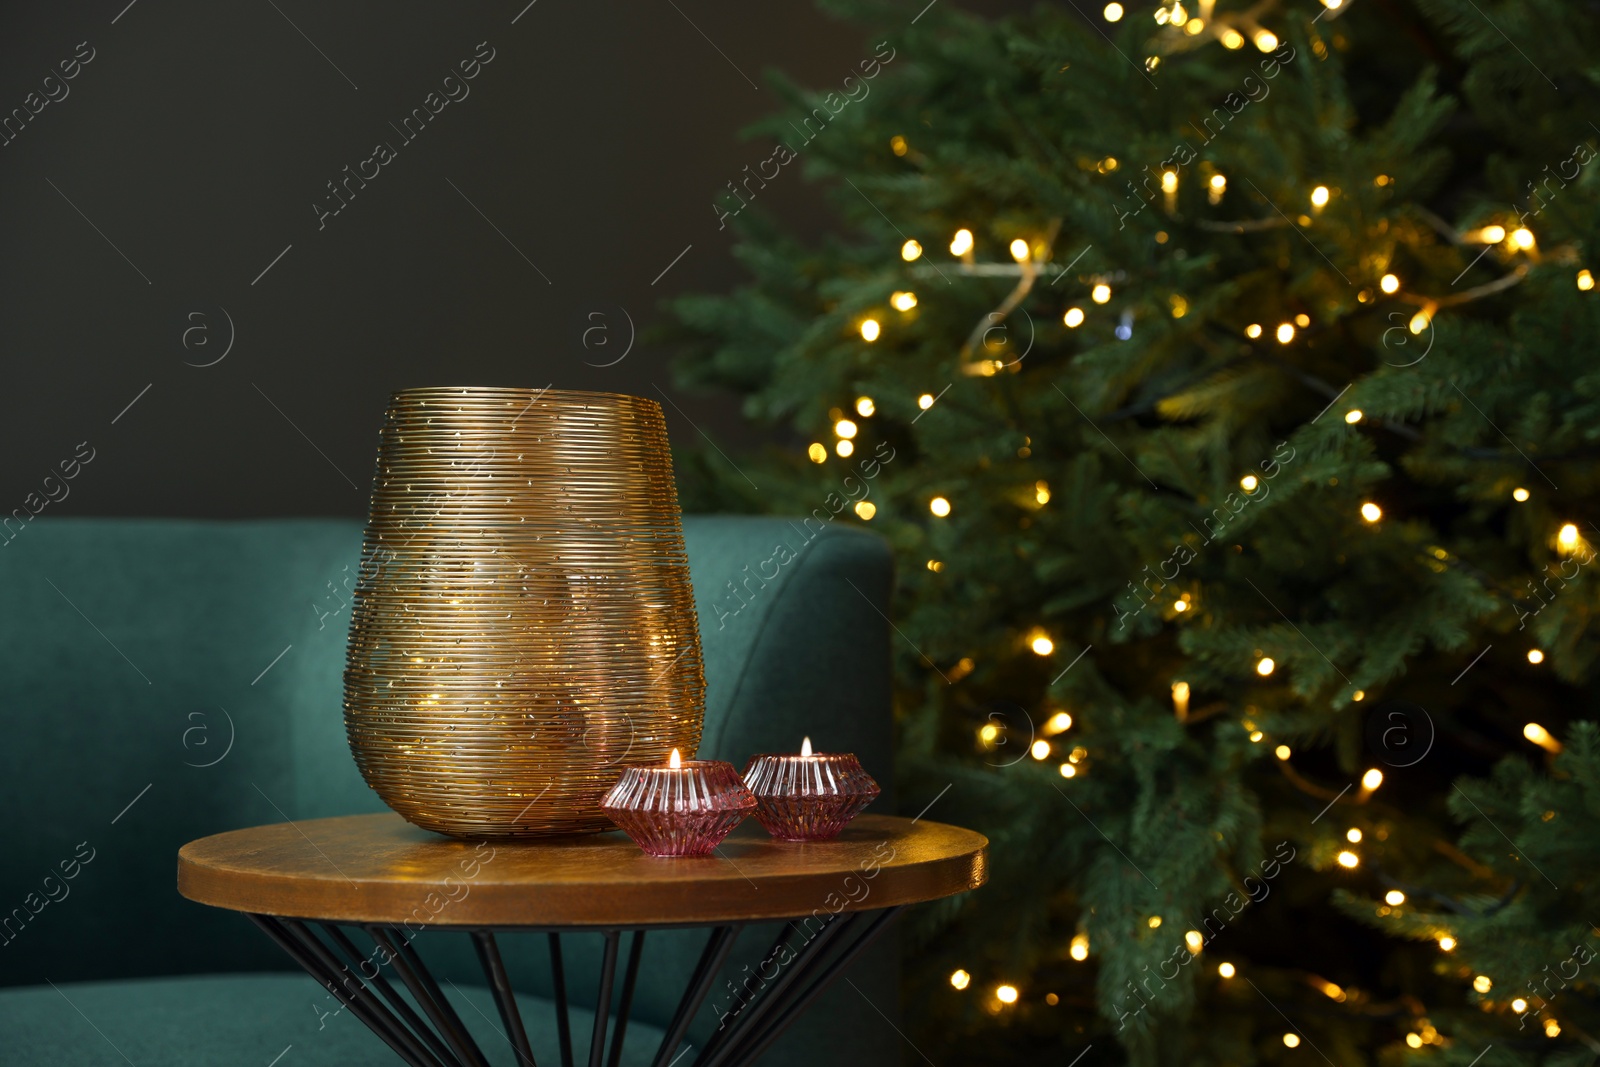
284, 1020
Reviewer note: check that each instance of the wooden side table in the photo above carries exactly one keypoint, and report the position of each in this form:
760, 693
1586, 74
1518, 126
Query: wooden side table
386, 878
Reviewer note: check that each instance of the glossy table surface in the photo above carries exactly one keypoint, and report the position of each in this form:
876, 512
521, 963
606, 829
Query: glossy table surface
380, 869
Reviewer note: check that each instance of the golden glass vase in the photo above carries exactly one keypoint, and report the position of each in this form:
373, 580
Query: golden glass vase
523, 625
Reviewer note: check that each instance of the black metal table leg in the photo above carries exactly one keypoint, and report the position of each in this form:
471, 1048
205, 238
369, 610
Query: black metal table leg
760, 1015
602, 1000
634, 951
417, 979
396, 1002
748, 1014
494, 969
330, 980
558, 976
752, 1048
718, 945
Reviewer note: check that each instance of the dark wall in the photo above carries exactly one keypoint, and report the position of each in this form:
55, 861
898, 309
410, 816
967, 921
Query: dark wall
161, 210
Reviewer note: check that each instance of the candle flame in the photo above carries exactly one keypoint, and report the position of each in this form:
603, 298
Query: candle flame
805, 746
675, 761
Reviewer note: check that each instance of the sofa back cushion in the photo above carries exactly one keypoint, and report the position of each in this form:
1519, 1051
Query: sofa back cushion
168, 679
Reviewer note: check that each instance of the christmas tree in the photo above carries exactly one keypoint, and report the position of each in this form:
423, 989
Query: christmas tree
1224, 379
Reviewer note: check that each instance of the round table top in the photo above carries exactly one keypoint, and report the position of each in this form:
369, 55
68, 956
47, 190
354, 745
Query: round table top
381, 869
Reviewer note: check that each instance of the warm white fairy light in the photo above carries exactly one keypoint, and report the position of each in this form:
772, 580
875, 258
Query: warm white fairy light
817, 452
1266, 40
1039, 750
1227, 970
1389, 283
865, 407
1073, 318
865, 509
844, 428
1585, 280
961, 243
1394, 898
1020, 251
1283, 752
1319, 196
1353, 416
960, 979
903, 301
844, 447
925, 401
1253, 330
1265, 666
910, 251
1349, 860
1112, 12
870, 329
939, 506
1285, 333
1080, 947
1100, 293
1353, 835
1541, 737
1535, 656
1371, 512
1520, 495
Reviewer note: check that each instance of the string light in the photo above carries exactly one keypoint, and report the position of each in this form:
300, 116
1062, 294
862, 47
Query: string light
1394, 898
1389, 283
960, 979
1041, 492
1522, 238
869, 329
898, 145
1019, 250
1042, 645
1253, 330
844, 428
1248, 483
903, 301
1194, 942
1113, 12
935, 566
1421, 319
1520, 495
1302, 320
1285, 333
865, 407
1051, 999
961, 243
1039, 750
1371, 780
1227, 970
844, 447
1371, 512
1332, 5
1359, 695
1169, 181
1447, 943
865, 509
1218, 182
1006, 994
1180, 606
910, 251
925, 401
1541, 737
939, 506
1080, 947
1073, 318
1414, 1040
1179, 14
1290, 1040
817, 452
1551, 1028
988, 733
1519, 1005
1100, 294
1482, 983
1349, 860
1492, 235
1535, 656
1265, 666
1058, 723
1067, 771
1232, 39
1319, 195
1194, 27
1353, 835
1266, 41
1567, 537
1180, 699
1585, 280
1353, 416
1282, 752
1255, 736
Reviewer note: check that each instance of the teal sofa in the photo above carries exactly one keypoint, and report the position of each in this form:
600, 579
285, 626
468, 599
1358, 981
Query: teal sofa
165, 680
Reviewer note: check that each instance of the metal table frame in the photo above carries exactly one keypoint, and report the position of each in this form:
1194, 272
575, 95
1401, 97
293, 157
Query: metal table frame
437, 1038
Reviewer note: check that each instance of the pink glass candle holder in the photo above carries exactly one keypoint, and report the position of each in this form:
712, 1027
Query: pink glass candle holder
809, 797
683, 809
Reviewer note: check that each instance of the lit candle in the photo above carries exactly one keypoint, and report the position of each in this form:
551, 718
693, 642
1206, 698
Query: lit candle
683, 809
809, 797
